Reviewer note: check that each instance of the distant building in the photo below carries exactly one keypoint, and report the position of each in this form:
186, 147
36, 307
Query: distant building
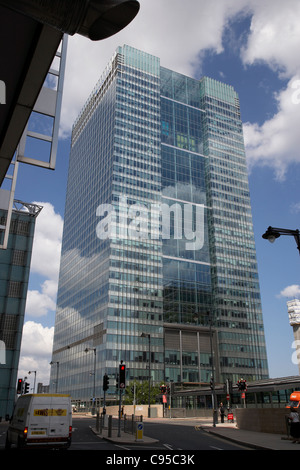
14, 275
41, 388
294, 317
158, 253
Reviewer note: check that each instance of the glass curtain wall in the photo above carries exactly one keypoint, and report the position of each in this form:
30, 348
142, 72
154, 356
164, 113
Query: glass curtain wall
110, 284
236, 308
186, 267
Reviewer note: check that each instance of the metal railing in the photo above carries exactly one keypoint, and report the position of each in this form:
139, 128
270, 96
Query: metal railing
129, 423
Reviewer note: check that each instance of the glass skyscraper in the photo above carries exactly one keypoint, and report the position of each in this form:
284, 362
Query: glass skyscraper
158, 235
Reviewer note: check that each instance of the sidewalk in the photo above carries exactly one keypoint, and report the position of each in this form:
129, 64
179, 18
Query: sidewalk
124, 438
255, 440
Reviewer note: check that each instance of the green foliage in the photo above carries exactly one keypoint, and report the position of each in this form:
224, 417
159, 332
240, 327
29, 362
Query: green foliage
141, 393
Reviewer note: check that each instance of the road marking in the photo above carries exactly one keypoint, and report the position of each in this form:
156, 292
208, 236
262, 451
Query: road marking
79, 443
216, 448
168, 446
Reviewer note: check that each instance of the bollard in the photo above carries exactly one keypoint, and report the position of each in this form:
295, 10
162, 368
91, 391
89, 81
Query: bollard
109, 426
97, 422
101, 423
139, 432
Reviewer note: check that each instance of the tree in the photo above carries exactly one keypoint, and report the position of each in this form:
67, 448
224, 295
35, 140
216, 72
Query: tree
141, 393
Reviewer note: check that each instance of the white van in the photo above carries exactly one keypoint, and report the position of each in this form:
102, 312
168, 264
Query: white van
41, 420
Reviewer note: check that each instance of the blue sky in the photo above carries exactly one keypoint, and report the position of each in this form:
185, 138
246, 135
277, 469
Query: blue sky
252, 45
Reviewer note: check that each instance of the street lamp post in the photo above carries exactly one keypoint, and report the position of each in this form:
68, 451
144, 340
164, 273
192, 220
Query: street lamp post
147, 335
212, 379
33, 372
272, 233
94, 386
214, 404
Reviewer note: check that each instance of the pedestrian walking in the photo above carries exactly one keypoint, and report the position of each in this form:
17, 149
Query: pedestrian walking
295, 425
222, 412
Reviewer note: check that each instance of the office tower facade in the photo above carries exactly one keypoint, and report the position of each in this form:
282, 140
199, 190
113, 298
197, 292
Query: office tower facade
14, 271
158, 263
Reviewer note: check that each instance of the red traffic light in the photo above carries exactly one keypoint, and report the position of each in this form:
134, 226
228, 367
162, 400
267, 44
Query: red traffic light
122, 376
20, 386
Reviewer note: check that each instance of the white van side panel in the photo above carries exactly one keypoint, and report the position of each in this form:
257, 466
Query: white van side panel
49, 418
46, 419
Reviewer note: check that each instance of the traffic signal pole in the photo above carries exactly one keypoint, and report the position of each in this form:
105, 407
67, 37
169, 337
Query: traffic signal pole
105, 387
104, 403
242, 386
134, 389
122, 384
120, 409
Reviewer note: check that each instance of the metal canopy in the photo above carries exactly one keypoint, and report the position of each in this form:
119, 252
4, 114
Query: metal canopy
27, 49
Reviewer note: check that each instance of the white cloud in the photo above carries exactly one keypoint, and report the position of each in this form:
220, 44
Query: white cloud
295, 207
178, 32
274, 40
276, 142
36, 352
274, 36
47, 242
291, 291
45, 261
38, 303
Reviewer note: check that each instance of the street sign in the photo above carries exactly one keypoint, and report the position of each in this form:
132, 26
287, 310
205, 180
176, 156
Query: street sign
139, 431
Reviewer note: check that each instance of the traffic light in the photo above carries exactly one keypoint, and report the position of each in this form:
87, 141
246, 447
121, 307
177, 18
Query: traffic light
105, 382
20, 386
242, 385
26, 387
122, 376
